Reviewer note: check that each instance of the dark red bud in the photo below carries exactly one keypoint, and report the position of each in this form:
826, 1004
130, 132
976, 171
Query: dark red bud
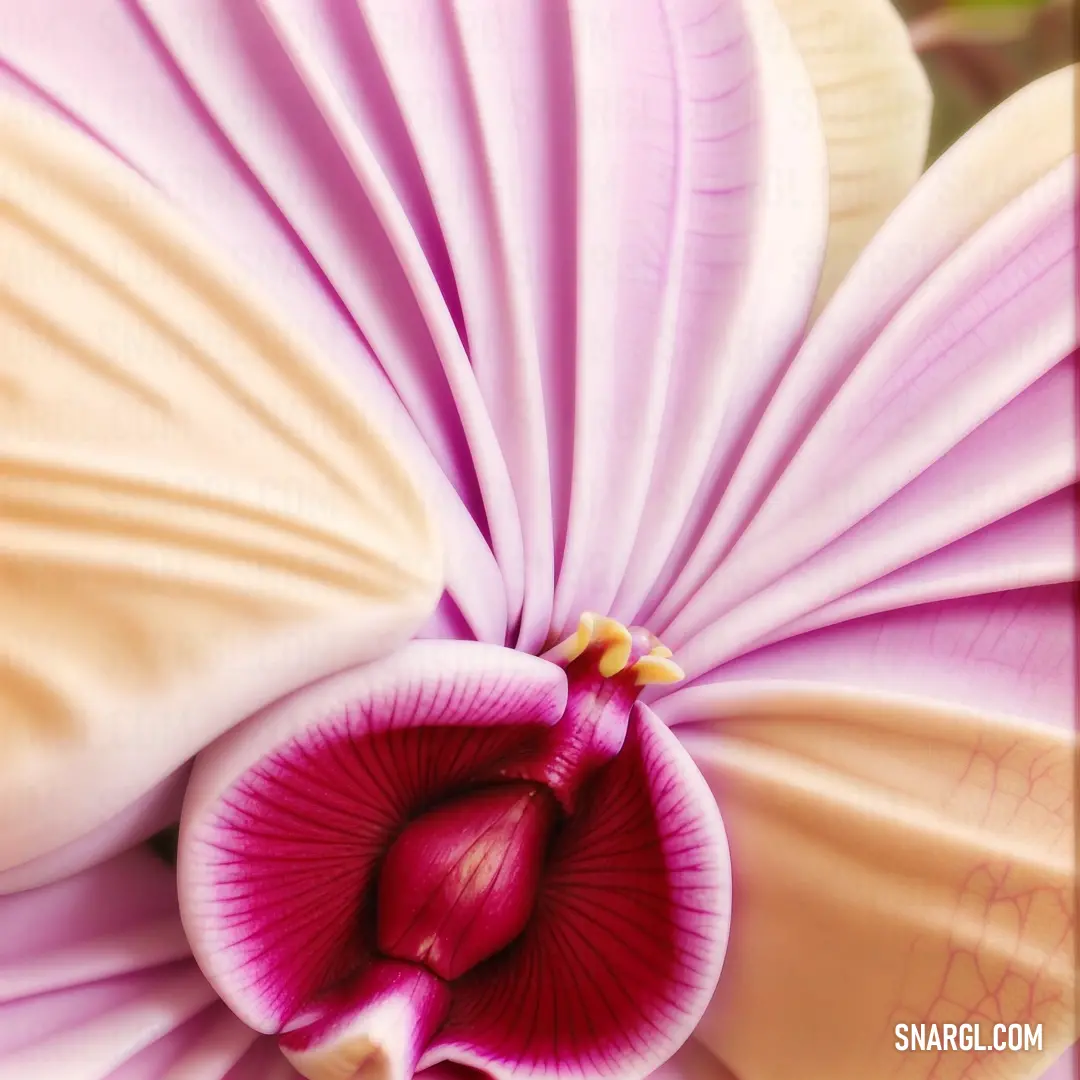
459, 884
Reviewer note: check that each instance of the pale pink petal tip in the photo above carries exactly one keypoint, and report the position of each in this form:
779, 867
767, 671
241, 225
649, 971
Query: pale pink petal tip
156, 810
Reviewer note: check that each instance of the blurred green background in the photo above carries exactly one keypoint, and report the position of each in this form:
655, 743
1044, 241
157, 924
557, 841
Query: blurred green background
978, 52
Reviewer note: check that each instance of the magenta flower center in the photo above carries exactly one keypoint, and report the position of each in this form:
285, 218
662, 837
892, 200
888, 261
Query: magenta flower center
467, 868
460, 882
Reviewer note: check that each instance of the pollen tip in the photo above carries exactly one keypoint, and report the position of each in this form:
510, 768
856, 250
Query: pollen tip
662, 651
570, 648
618, 641
655, 669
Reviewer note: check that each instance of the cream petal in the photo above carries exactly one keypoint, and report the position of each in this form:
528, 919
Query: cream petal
196, 515
894, 864
875, 104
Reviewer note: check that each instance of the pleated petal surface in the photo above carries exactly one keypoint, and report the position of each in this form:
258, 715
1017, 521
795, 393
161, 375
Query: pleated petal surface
577, 210
97, 982
195, 514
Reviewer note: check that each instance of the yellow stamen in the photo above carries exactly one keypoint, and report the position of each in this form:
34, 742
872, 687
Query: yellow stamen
653, 669
592, 629
617, 638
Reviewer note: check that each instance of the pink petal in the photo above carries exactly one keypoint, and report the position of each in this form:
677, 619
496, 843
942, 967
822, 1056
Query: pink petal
1030, 547
261, 78
97, 983
997, 319
952, 593
457, 74
667, 135
1004, 654
287, 815
1067, 1067
945, 210
725, 371
949, 532
628, 938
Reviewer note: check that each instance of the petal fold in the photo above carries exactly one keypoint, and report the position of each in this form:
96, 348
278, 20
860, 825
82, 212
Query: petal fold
197, 517
1009, 654
997, 320
97, 982
891, 292
156, 810
110, 71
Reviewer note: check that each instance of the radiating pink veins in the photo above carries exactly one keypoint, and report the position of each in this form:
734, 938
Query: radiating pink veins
463, 854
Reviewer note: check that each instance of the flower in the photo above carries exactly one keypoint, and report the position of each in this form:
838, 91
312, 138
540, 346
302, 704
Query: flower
562, 259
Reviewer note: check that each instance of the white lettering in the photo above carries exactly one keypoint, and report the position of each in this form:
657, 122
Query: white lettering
967, 1038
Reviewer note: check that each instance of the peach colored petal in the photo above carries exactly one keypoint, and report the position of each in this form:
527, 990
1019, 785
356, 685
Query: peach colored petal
196, 515
894, 864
